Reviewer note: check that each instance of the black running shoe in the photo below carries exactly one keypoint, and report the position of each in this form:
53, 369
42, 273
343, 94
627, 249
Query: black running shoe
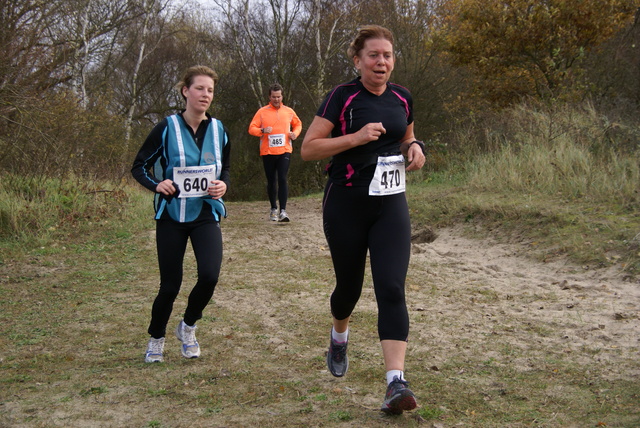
337, 360
398, 398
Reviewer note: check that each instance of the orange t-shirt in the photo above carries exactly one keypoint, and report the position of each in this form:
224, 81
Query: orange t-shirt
282, 121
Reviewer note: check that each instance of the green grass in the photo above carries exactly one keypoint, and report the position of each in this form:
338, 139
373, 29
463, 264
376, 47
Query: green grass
74, 316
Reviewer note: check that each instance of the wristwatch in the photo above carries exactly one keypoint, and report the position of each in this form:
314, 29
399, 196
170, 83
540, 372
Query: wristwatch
418, 142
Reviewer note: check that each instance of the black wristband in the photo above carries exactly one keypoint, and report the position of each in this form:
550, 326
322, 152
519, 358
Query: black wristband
420, 143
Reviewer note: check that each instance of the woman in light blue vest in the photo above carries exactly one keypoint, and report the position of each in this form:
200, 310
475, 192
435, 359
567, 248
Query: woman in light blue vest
185, 162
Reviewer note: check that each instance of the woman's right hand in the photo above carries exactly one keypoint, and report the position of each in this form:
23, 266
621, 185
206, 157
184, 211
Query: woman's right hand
165, 187
369, 132
318, 143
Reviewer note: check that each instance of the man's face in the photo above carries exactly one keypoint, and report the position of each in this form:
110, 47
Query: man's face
275, 98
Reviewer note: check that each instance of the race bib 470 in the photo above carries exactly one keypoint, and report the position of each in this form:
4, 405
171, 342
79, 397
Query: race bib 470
389, 177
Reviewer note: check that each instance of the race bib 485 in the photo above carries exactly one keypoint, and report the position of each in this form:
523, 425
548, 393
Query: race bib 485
276, 140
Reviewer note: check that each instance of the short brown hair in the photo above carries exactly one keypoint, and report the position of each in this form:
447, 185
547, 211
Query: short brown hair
192, 72
365, 33
275, 88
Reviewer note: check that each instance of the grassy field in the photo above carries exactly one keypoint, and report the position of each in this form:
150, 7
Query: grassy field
74, 308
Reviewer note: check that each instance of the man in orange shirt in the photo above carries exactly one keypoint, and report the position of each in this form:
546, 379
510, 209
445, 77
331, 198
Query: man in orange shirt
277, 126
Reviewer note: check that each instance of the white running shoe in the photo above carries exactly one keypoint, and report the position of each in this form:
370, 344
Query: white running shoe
283, 216
155, 348
273, 215
187, 335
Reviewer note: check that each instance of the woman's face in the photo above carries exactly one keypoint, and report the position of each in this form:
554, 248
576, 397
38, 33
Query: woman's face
375, 63
199, 95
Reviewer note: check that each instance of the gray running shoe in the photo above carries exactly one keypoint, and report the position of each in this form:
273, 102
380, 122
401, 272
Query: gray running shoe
398, 398
337, 360
283, 217
187, 335
273, 214
155, 348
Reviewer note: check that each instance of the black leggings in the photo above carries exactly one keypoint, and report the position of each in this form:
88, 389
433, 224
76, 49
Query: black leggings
355, 222
171, 241
276, 168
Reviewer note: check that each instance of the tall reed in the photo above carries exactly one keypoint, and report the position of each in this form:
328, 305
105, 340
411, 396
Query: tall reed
567, 152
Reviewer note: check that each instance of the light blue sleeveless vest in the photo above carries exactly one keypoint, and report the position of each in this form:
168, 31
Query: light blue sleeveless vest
181, 150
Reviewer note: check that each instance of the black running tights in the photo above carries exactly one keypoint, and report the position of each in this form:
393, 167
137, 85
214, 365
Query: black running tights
276, 168
171, 241
355, 223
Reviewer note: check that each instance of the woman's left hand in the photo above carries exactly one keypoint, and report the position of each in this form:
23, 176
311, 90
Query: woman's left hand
217, 189
415, 157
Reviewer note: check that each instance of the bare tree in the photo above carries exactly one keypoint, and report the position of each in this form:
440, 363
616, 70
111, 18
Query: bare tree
147, 8
265, 39
328, 24
91, 27
49, 47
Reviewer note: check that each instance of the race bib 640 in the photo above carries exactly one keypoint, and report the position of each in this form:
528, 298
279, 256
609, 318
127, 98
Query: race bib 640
193, 181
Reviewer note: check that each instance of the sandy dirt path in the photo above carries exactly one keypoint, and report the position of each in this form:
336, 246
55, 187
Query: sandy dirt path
483, 295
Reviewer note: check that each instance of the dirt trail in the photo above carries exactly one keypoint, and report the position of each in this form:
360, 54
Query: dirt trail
487, 289
474, 305
568, 307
